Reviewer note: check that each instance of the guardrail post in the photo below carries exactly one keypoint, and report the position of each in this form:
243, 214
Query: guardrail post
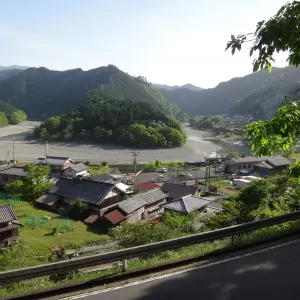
124, 265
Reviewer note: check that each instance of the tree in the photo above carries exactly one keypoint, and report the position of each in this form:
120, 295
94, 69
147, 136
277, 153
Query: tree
280, 33
34, 185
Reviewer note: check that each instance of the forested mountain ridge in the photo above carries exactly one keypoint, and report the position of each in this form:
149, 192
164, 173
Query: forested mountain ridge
4, 74
42, 93
117, 121
187, 86
258, 94
10, 115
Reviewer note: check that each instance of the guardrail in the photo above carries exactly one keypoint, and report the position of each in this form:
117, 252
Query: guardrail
79, 263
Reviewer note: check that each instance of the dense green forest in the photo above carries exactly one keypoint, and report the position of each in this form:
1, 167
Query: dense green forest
43, 93
124, 122
10, 115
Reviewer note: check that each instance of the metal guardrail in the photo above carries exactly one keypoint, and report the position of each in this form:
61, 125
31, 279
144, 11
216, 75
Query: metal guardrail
79, 263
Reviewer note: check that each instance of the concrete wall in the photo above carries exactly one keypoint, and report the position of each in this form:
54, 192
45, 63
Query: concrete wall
5, 179
152, 215
136, 215
72, 173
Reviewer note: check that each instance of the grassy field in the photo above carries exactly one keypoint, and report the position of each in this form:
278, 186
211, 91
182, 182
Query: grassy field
40, 238
94, 169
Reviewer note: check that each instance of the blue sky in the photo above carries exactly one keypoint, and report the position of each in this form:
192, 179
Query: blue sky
171, 42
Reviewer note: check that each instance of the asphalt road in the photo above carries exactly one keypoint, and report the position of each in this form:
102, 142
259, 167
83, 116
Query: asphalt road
272, 274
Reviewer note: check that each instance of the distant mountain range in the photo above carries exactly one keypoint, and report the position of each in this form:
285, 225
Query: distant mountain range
41, 92
258, 94
2, 68
187, 86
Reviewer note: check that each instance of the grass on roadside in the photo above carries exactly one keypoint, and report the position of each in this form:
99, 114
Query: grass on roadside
254, 237
94, 169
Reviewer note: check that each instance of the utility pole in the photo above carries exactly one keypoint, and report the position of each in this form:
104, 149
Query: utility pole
135, 154
14, 161
7, 156
46, 150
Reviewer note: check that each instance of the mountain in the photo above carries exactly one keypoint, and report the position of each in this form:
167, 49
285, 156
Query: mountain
2, 68
120, 122
187, 86
41, 92
4, 74
263, 102
257, 88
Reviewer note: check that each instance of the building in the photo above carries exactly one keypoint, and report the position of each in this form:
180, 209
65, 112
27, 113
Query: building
247, 165
190, 203
65, 192
116, 174
143, 206
10, 174
201, 162
175, 191
148, 186
56, 164
105, 178
9, 227
272, 166
75, 170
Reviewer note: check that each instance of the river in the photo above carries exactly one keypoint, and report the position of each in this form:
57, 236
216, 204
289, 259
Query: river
198, 145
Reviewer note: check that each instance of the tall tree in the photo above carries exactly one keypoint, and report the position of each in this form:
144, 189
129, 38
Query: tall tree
279, 34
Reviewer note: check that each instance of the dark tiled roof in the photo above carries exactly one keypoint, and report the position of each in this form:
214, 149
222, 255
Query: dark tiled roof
7, 214
79, 167
91, 219
140, 200
4, 167
177, 190
115, 171
115, 217
101, 177
153, 196
130, 205
18, 171
149, 185
215, 205
279, 161
186, 204
174, 180
253, 159
53, 160
264, 164
48, 199
85, 190
10, 226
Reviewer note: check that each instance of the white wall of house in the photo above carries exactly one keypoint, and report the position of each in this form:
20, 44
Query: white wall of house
112, 193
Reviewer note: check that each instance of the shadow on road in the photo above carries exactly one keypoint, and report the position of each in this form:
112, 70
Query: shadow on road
268, 275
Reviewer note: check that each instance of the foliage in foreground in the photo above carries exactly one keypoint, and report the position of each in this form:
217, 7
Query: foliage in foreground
171, 226
123, 122
152, 166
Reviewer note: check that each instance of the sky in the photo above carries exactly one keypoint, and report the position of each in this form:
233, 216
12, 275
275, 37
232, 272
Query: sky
170, 42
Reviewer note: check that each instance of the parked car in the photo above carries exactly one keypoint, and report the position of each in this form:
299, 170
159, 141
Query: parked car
164, 170
189, 175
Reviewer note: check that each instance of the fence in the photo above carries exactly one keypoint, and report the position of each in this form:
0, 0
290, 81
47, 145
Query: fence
203, 243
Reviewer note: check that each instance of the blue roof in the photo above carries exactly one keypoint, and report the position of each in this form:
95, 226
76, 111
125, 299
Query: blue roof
262, 173
245, 171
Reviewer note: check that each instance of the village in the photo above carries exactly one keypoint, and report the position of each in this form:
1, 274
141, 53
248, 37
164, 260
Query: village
81, 206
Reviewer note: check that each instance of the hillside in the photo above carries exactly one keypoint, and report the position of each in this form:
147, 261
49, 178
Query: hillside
222, 98
42, 93
187, 86
10, 115
263, 102
4, 74
4, 68
119, 122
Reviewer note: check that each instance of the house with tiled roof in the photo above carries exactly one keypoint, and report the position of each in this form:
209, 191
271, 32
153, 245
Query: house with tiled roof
9, 227
143, 206
175, 191
10, 174
75, 170
148, 186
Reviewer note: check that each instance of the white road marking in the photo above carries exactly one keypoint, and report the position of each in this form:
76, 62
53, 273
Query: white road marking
180, 272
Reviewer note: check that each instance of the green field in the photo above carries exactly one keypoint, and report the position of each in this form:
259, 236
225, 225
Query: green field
40, 238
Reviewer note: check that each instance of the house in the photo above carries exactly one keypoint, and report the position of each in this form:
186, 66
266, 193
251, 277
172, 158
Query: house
201, 162
65, 192
103, 178
215, 157
143, 206
186, 204
190, 203
148, 186
75, 170
10, 174
9, 227
175, 191
247, 165
272, 166
116, 174
56, 164
124, 188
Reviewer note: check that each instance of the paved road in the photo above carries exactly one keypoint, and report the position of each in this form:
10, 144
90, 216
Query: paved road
272, 274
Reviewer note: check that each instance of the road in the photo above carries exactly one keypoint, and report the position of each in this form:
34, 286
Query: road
270, 274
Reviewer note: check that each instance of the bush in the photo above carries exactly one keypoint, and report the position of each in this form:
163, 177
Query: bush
87, 163
104, 164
